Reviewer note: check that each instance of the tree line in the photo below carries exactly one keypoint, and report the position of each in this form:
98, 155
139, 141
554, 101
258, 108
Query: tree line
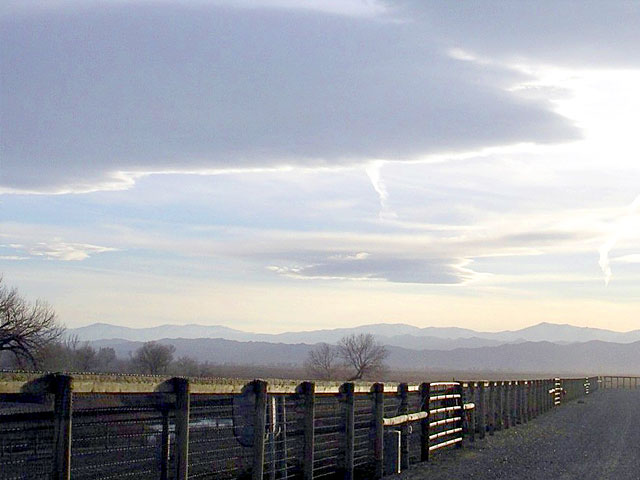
31, 337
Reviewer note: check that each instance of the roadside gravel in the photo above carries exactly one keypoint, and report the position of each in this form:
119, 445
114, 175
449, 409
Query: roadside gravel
594, 438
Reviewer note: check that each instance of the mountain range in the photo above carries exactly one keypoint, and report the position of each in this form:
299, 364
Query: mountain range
542, 348
401, 335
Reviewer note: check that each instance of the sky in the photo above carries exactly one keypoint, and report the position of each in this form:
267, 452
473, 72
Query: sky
280, 165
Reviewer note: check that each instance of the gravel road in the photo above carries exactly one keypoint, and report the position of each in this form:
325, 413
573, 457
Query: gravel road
594, 438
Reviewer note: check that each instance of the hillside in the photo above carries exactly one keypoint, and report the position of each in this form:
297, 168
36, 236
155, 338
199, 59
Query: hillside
593, 357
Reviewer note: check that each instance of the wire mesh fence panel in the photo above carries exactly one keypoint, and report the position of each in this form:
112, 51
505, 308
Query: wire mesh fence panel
116, 436
284, 437
329, 436
26, 437
364, 435
220, 437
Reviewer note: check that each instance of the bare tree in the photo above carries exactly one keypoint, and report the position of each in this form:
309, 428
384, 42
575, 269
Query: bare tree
26, 328
153, 357
362, 353
106, 359
84, 358
186, 367
322, 362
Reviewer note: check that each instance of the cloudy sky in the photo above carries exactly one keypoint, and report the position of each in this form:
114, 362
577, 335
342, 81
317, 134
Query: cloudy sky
283, 165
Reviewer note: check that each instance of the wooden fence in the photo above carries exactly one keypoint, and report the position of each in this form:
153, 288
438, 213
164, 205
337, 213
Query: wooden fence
110, 426
609, 381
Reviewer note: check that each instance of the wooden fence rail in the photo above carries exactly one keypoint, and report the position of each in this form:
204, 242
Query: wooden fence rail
281, 428
610, 381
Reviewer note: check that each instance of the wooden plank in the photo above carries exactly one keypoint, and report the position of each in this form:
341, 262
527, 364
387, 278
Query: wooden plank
445, 444
405, 419
62, 412
445, 433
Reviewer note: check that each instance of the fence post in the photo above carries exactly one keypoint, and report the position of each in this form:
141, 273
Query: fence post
425, 399
527, 400
181, 389
403, 409
492, 407
534, 399
308, 392
348, 390
500, 405
378, 429
62, 411
524, 404
472, 415
516, 402
259, 388
507, 404
481, 410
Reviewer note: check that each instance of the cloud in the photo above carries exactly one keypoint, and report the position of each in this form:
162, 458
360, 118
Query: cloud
374, 172
626, 222
63, 251
94, 97
633, 258
392, 269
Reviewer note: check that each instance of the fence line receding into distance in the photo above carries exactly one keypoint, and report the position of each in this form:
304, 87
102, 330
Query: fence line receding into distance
126, 426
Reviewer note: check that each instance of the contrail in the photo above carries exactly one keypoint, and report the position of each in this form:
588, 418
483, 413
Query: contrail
623, 226
373, 172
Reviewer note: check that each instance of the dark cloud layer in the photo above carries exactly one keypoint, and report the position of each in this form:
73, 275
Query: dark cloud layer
92, 91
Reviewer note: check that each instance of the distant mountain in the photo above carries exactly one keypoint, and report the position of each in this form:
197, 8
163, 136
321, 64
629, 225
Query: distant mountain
593, 357
563, 333
99, 331
440, 338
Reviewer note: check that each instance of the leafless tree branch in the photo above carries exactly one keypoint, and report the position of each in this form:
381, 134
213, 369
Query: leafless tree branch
26, 328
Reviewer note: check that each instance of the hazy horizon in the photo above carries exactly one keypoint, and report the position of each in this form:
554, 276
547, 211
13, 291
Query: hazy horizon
291, 166
353, 326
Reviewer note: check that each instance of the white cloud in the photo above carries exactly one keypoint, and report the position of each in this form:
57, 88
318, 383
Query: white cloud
55, 250
626, 223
